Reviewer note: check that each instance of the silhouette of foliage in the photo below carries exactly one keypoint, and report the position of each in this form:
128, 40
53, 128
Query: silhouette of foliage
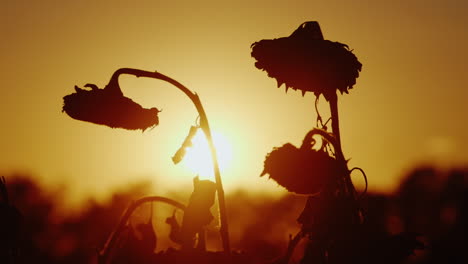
198, 215
132, 249
259, 224
305, 61
10, 225
333, 219
109, 107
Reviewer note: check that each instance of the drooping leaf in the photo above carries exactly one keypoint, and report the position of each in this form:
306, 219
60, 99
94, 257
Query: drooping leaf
180, 153
197, 214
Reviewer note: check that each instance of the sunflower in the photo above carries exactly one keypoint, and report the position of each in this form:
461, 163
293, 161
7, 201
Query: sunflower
305, 61
301, 170
108, 107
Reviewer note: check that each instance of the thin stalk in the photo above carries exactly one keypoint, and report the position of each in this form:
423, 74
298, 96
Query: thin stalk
338, 150
292, 245
336, 126
224, 230
348, 184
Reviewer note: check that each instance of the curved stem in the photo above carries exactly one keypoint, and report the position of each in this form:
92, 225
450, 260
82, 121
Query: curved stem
110, 243
207, 131
327, 136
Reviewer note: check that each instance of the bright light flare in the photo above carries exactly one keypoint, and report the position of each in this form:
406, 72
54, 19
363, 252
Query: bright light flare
198, 157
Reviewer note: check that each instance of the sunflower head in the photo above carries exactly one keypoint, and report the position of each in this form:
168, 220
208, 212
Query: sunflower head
301, 170
305, 61
108, 107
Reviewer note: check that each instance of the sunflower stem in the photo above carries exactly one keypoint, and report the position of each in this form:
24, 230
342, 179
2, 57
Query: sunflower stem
224, 230
336, 126
349, 189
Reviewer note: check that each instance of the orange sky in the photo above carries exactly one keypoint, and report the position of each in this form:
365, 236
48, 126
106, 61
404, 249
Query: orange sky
408, 107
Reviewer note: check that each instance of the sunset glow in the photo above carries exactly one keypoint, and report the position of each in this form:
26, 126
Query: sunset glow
239, 132
407, 62
198, 158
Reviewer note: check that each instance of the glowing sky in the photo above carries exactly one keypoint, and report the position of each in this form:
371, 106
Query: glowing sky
409, 105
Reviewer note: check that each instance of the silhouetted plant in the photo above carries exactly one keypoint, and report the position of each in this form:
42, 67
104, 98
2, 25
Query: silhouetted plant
312, 169
414, 207
333, 218
108, 252
10, 222
197, 215
109, 107
122, 246
305, 61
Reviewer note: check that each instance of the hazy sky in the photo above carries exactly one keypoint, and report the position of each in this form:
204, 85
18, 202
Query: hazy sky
409, 105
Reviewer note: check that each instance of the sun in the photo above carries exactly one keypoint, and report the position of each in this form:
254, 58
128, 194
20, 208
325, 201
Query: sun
198, 157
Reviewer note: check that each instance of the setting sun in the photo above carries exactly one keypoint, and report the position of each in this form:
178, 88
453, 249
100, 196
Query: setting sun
198, 157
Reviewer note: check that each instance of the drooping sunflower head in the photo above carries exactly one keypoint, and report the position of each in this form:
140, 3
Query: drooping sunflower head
108, 107
301, 170
305, 61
